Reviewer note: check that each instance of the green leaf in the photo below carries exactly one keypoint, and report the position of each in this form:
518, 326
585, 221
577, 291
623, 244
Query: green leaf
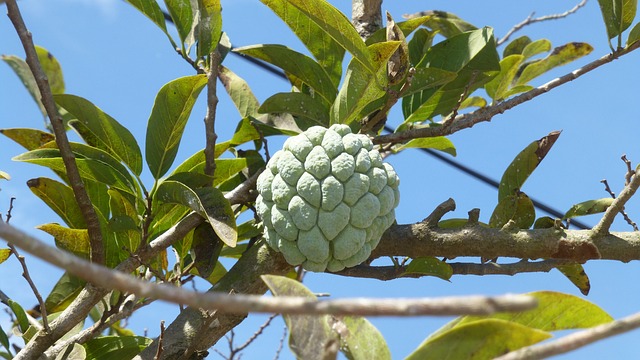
205, 249
419, 44
428, 78
60, 198
618, 15
589, 207
517, 207
111, 136
215, 275
90, 168
75, 241
51, 68
524, 164
209, 27
438, 143
73, 351
299, 105
182, 16
63, 293
516, 47
334, 23
235, 252
210, 203
481, 339
294, 64
544, 222
473, 101
240, 92
20, 314
535, 48
115, 347
576, 274
558, 57
429, 266
170, 113
634, 35
152, 10
499, 85
556, 311
447, 24
4, 255
29, 139
309, 335
360, 87
360, 340
319, 43
124, 220
472, 55
4, 340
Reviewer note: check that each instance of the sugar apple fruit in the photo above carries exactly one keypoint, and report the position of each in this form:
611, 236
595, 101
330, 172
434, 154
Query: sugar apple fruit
326, 198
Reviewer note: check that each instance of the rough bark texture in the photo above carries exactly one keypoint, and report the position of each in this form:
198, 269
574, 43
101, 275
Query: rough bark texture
367, 16
194, 331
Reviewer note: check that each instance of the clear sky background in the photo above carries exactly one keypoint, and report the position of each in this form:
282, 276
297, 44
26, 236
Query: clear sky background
116, 58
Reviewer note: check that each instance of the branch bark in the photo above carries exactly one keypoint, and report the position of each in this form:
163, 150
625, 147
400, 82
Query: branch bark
68, 158
468, 120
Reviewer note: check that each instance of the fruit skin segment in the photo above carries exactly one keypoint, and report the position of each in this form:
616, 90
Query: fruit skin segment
326, 198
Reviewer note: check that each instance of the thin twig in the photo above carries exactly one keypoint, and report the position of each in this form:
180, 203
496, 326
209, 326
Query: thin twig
279, 349
26, 275
240, 304
160, 338
437, 214
392, 99
454, 113
68, 158
210, 118
386, 273
617, 206
575, 340
468, 120
623, 212
531, 20
256, 334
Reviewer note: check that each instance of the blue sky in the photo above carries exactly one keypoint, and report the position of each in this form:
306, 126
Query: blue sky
118, 59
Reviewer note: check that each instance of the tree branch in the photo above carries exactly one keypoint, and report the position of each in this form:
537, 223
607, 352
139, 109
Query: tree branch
575, 340
468, 120
68, 158
386, 273
210, 118
240, 304
91, 295
366, 16
531, 20
617, 206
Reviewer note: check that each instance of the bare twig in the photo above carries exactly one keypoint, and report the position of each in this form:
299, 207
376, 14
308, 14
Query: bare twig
468, 120
255, 335
613, 195
279, 349
531, 20
386, 273
437, 214
109, 278
575, 340
160, 338
26, 275
454, 113
630, 171
86, 207
617, 206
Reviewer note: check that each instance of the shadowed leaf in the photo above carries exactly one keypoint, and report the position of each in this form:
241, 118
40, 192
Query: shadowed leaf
205, 249
182, 16
359, 339
209, 28
576, 274
63, 293
115, 347
516, 46
524, 164
618, 15
299, 105
309, 335
517, 207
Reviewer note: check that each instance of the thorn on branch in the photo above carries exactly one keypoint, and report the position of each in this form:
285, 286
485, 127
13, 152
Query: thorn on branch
437, 214
474, 216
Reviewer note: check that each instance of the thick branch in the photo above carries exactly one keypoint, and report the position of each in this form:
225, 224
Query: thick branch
366, 16
91, 294
465, 121
239, 304
68, 158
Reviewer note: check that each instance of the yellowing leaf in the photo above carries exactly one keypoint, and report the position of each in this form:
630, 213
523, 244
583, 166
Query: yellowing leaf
589, 207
